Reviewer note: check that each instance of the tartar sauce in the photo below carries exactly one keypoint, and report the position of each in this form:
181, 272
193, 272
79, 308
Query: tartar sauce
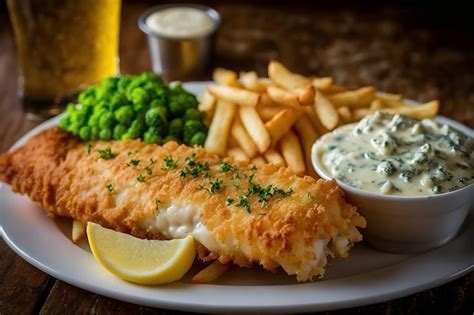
180, 22
397, 155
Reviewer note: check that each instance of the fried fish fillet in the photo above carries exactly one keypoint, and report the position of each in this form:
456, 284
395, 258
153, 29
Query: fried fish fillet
238, 213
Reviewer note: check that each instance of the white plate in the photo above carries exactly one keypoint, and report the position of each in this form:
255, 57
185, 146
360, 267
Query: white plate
366, 277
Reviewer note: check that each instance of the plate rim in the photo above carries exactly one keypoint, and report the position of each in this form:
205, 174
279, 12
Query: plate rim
207, 307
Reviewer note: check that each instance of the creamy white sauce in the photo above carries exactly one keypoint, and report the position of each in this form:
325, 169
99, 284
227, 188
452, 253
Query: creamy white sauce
396, 155
180, 22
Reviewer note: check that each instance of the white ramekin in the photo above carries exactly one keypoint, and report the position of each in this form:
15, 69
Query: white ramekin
408, 224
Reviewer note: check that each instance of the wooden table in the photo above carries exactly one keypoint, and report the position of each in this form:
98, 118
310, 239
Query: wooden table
394, 48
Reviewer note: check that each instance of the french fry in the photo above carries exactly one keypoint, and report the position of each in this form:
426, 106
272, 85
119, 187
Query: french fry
359, 113
280, 124
326, 111
284, 98
208, 116
216, 141
427, 110
353, 99
207, 105
293, 153
264, 83
306, 95
255, 127
235, 95
334, 88
225, 77
238, 154
376, 105
311, 113
78, 230
274, 157
266, 101
249, 80
211, 272
267, 113
286, 79
322, 83
239, 133
388, 97
345, 114
259, 161
207, 102
308, 136
232, 143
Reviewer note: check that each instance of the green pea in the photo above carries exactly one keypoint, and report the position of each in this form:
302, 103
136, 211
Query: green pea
85, 133
169, 138
65, 122
157, 103
192, 114
198, 138
156, 116
152, 138
74, 128
135, 129
119, 131
95, 132
105, 134
126, 136
78, 117
106, 121
176, 128
124, 115
139, 96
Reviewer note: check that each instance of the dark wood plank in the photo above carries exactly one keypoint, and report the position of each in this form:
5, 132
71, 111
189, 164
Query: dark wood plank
66, 299
22, 286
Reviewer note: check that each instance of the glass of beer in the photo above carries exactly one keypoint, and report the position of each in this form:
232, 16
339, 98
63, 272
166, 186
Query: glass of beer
63, 46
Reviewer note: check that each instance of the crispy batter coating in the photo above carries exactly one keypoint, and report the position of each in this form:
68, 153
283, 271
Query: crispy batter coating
68, 178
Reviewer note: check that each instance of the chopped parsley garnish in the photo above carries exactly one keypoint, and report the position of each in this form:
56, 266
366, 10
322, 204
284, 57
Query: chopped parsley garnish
195, 170
191, 160
244, 203
106, 153
141, 178
152, 161
148, 170
169, 163
263, 193
110, 187
88, 148
133, 162
215, 185
226, 167
235, 176
229, 201
254, 168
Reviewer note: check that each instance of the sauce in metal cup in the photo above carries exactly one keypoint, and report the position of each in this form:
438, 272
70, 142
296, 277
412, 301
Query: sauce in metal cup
181, 39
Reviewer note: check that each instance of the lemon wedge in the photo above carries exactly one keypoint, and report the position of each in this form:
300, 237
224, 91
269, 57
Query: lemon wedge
141, 261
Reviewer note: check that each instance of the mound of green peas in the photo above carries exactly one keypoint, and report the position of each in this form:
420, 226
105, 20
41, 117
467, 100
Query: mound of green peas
136, 107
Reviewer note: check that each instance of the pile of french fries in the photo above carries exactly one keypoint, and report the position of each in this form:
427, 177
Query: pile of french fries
277, 119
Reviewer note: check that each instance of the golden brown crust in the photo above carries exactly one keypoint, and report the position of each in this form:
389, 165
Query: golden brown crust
58, 171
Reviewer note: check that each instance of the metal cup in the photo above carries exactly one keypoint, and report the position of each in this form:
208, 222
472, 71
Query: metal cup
181, 58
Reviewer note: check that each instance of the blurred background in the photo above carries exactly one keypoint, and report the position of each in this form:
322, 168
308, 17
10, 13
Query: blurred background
421, 49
